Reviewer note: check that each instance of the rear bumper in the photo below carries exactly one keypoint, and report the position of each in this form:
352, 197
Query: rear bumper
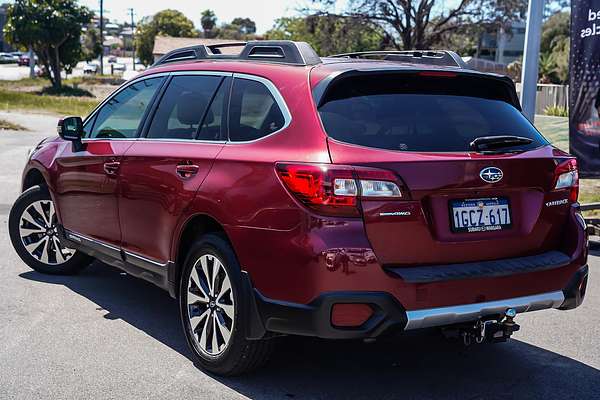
389, 315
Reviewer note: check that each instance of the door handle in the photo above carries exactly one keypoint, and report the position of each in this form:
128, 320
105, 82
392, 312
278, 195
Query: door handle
186, 171
111, 167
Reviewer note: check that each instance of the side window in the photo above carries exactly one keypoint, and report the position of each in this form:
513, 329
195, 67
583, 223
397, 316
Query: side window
253, 112
120, 117
185, 106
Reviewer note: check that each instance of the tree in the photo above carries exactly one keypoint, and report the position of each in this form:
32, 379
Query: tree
92, 48
238, 29
246, 25
52, 28
554, 48
208, 22
164, 23
422, 24
328, 34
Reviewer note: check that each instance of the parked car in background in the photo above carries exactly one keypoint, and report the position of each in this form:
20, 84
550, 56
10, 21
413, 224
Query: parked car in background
112, 59
16, 55
118, 67
90, 68
279, 193
6, 58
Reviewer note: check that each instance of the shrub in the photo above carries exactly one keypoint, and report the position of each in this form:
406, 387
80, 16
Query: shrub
556, 111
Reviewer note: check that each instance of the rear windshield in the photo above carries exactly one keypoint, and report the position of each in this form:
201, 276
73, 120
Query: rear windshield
410, 112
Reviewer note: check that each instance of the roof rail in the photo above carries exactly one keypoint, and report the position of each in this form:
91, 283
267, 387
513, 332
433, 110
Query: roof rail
444, 58
276, 51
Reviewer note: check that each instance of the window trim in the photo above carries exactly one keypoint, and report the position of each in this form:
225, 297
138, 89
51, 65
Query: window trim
124, 86
144, 132
279, 100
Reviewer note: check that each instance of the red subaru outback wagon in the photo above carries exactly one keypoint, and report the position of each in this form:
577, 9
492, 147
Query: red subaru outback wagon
274, 192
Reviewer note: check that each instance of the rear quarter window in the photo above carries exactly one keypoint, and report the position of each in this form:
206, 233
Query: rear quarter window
408, 112
253, 112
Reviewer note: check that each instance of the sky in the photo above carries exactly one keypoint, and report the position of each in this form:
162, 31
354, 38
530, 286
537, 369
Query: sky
263, 12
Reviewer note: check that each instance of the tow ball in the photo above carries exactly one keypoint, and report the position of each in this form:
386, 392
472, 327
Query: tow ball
491, 330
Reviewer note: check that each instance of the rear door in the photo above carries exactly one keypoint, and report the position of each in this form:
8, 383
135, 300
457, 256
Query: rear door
457, 204
161, 172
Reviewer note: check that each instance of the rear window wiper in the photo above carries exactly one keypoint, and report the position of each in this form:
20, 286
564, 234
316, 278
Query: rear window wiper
493, 143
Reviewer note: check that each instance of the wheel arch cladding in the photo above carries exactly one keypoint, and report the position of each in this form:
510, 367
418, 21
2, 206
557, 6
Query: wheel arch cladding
33, 178
195, 227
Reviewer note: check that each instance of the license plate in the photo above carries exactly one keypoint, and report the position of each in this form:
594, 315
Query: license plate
480, 215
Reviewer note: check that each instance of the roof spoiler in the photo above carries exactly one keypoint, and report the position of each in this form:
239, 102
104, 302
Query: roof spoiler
276, 51
443, 58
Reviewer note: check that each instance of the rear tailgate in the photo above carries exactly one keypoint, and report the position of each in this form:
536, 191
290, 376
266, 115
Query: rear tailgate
418, 229
458, 205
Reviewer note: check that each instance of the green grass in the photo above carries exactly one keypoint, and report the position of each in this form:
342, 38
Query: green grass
95, 80
13, 100
555, 129
7, 125
25, 82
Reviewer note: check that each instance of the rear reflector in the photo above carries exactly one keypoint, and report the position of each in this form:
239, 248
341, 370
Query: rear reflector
350, 315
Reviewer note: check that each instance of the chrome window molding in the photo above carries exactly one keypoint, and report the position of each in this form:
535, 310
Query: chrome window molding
144, 139
287, 116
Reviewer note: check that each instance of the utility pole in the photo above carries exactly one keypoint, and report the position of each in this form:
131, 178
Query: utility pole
102, 36
31, 62
132, 36
531, 55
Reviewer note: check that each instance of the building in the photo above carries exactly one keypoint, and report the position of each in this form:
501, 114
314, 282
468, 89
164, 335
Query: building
503, 46
164, 44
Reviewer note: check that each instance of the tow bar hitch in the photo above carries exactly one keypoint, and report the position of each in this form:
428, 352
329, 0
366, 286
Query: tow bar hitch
491, 330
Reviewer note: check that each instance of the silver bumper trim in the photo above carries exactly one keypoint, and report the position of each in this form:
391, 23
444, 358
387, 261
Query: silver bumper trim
441, 316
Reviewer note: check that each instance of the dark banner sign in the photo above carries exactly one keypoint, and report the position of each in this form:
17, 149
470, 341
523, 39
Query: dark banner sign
584, 92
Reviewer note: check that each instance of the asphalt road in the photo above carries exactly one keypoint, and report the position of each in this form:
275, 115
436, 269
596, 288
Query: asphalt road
105, 335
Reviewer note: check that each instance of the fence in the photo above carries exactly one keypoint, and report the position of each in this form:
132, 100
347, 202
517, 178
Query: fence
549, 95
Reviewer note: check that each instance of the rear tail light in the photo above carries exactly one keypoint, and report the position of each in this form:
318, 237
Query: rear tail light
566, 176
336, 189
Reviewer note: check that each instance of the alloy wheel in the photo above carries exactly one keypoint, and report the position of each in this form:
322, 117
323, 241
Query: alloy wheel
211, 307
39, 234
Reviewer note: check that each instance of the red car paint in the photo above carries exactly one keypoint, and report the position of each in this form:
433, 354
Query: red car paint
291, 252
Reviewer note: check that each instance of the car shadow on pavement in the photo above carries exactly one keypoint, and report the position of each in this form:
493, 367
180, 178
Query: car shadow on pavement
420, 366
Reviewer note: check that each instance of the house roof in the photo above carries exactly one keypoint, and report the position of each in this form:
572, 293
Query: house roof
164, 44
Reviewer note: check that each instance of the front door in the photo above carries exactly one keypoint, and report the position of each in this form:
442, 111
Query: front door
161, 172
88, 179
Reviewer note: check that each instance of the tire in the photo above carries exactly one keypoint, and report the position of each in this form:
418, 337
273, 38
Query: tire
218, 308
32, 225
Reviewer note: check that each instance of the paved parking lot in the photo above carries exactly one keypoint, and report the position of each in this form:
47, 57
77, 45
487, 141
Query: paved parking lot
106, 335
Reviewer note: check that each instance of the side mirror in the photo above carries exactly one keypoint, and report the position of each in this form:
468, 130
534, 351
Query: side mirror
70, 128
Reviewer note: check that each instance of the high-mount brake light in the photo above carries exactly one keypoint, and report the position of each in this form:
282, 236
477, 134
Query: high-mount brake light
336, 189
442, 74
566, 176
